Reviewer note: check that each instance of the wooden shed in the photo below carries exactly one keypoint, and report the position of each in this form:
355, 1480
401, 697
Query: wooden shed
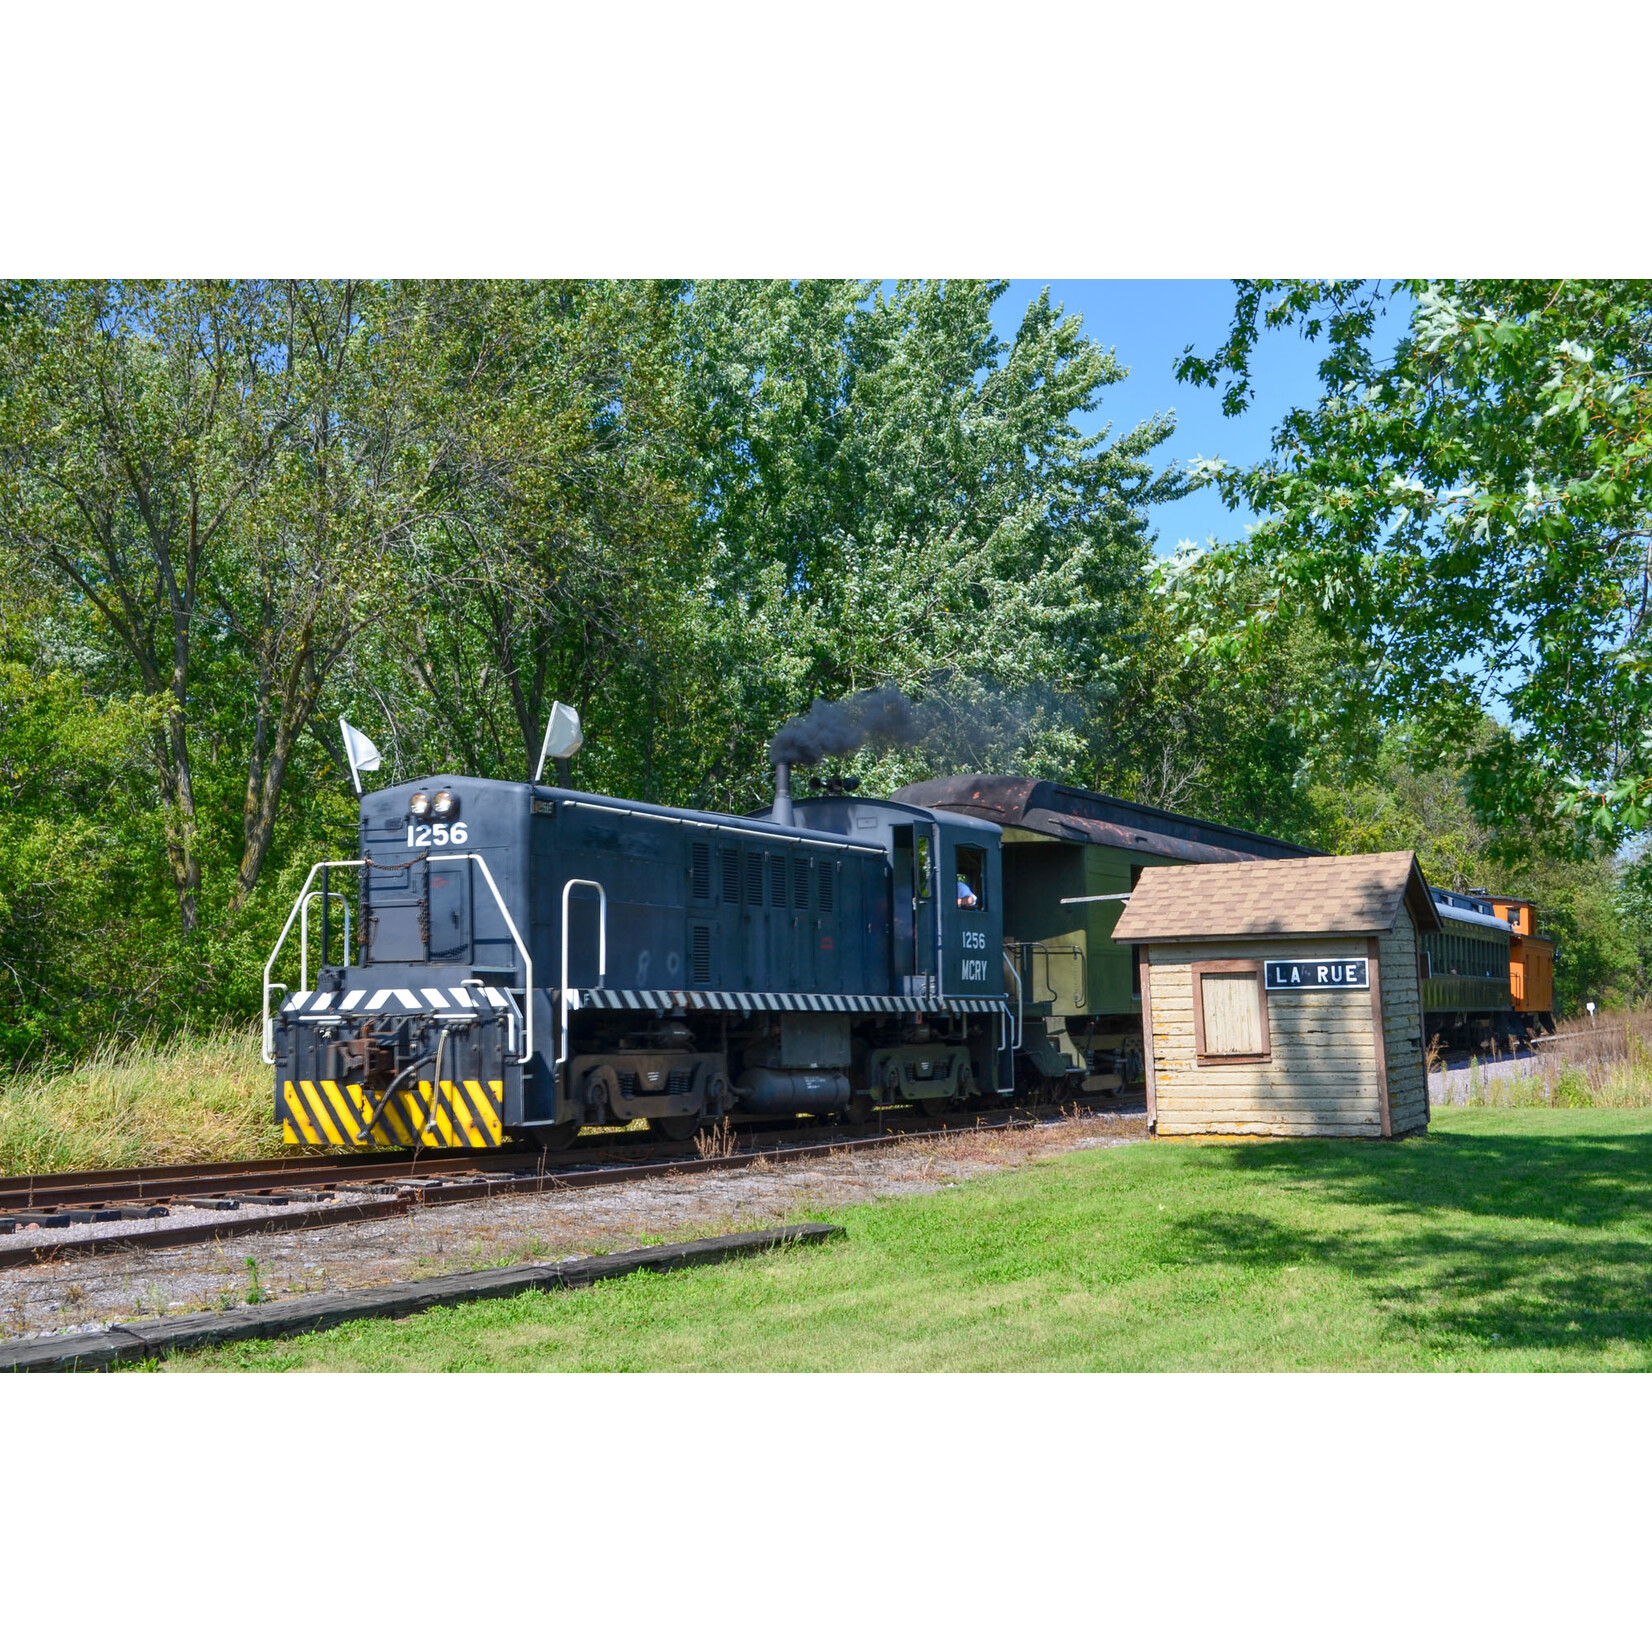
1280, 998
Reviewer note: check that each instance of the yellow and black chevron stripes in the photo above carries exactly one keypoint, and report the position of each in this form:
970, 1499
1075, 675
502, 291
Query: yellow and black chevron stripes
325, 1114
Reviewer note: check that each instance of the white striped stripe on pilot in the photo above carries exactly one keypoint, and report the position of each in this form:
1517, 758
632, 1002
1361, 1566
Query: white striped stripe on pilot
436, 997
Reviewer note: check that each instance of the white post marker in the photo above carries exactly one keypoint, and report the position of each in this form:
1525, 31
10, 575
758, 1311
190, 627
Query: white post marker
1591, 1008
363, 754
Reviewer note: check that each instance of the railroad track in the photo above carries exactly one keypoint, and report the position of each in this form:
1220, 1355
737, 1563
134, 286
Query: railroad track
71, 1214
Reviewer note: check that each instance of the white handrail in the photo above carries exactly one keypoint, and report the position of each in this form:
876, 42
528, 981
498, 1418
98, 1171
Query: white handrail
1020, 999
281, 941
498, 900
940, 911
602, 961
304, 934
521, 948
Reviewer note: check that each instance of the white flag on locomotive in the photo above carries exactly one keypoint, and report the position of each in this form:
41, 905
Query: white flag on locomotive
363, 754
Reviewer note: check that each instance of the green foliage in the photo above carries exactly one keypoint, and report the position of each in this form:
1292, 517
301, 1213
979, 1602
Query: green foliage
1398, 803
232, 511
893, 494
1472, 512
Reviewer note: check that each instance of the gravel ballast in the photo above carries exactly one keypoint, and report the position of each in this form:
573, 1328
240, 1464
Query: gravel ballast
86, 1294
146, 1339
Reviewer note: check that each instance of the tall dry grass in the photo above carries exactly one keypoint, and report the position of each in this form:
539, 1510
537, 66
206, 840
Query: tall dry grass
1601, 1062
200, 1096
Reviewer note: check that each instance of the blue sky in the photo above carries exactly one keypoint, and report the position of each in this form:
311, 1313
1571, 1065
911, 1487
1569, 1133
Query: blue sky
1148, 324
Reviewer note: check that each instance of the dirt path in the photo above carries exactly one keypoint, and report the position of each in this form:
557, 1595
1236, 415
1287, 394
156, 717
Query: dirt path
92, 1292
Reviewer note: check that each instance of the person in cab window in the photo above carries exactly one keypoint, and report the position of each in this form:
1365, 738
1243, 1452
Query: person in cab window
966, 895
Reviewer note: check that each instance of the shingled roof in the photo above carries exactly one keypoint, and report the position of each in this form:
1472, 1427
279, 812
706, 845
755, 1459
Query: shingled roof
1328, 895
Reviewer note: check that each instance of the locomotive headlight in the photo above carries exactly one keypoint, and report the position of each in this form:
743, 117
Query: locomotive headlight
445, 805
418, 805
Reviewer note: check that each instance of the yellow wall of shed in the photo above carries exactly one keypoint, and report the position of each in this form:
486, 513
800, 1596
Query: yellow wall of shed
1322, 1076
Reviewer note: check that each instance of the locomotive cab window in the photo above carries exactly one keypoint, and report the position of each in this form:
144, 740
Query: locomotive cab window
972, 876
1230, 1012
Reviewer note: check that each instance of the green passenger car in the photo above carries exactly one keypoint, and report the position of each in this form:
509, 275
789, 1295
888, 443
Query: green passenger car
1465, 974
1069, 857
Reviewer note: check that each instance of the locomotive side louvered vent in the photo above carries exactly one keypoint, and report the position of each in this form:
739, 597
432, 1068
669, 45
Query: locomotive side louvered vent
777, 880
699, 871
699, 955
800, 883
754, 880
731, 877
823, 885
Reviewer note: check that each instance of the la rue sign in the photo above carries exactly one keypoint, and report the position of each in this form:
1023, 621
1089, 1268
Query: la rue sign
1318, 974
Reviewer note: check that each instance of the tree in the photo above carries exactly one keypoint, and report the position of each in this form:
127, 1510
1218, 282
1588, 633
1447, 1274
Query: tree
216, 478
558, 555
136, 423
890, 492
83, 937
1475, 513
325, 541
1593, 906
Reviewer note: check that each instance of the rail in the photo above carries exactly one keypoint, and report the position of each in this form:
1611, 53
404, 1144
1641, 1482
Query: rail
244, 1199
300, 909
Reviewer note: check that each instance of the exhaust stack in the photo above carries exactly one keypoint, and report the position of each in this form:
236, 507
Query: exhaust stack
782, 814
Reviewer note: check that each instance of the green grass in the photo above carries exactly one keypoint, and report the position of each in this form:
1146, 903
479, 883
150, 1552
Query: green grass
197, 1097
1517, 1240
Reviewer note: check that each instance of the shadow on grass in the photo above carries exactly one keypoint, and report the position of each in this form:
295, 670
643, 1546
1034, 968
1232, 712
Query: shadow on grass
1520, 1242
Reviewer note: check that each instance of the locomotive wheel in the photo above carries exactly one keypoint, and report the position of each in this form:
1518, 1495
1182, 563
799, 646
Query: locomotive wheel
859, 1110
679, 1127
557, 1138
933, 1106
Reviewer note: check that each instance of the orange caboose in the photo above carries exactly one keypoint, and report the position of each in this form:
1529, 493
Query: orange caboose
1531, 964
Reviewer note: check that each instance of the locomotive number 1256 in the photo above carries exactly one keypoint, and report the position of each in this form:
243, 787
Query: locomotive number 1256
424, 837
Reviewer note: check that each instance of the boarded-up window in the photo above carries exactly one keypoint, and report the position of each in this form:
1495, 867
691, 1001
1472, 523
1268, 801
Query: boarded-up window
1230, 1011
1233, 1015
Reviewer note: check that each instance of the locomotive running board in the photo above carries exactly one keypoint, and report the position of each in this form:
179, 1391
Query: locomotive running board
620, 998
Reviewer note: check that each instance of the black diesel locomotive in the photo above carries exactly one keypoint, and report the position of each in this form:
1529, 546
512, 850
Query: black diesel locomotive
528, 960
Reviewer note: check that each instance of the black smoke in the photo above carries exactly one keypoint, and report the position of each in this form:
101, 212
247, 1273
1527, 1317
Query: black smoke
878, 717
964, 724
